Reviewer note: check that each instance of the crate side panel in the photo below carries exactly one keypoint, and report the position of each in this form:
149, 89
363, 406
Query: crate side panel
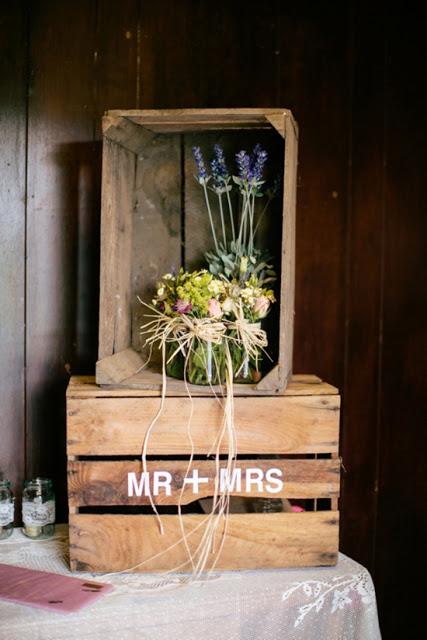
288, 256
156, 240
117, 426
101, 543
118, 176
104, 482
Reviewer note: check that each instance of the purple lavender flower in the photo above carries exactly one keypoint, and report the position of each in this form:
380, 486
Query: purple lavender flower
216, 174
259, 158
244, 165
220, 158
219, 168
182, 306
202, 174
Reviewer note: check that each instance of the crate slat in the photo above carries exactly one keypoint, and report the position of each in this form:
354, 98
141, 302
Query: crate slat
105, 482
117, 426
84, 387
253, 541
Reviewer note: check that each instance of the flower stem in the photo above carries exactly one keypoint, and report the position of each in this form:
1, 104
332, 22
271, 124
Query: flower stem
208, 206
222, 219
230, 210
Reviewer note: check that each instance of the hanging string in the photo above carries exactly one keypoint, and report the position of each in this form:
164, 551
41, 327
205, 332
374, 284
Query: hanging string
182, 331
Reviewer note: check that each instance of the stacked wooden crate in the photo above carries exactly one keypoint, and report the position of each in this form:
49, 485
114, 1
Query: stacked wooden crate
151, 224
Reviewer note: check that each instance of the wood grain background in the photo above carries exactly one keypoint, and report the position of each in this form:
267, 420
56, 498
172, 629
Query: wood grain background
354, 75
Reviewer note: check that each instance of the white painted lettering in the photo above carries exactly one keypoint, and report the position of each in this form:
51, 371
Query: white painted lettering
274, 483
233, 484
254, 476
135, 488
162, 479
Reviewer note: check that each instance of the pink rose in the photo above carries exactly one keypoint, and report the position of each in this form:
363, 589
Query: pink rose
214, 308
182, 306
261, 306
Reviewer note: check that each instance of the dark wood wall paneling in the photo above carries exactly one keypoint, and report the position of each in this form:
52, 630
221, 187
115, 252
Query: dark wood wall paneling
401, 526
353, 75
13, 71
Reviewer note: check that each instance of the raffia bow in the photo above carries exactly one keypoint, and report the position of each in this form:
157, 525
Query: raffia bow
182, 330
249, 336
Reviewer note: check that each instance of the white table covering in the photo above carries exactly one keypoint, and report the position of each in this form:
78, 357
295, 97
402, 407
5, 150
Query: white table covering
328, 603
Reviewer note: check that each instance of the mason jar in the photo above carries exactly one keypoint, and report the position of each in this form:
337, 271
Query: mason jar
38, 508
7, 509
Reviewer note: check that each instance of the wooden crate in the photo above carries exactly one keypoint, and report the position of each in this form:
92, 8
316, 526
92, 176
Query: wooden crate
297, 432
153, 222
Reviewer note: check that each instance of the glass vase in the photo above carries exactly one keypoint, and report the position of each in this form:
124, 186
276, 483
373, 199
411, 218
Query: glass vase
205, 363
246, 368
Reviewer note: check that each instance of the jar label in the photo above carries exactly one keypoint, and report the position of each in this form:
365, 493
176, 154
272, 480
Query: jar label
6, 513
38, 514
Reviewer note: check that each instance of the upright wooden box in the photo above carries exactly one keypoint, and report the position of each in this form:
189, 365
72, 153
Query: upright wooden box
296, 432
153, 222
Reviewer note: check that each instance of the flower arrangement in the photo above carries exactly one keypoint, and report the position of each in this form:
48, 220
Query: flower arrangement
209, 320
209, 308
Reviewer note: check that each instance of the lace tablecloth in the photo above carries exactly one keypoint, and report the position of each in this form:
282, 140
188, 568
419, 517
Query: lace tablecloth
330, 603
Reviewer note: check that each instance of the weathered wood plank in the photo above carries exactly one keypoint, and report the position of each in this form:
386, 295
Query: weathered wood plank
85, 387
118, 179
60, 209
102, 426
118, 367
287, 294
103, 482
156, 238
120, 542
13, 31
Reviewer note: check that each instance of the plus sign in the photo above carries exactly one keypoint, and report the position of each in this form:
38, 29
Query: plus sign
195, 480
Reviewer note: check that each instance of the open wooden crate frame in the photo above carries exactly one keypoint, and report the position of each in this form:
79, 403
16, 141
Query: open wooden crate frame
150, 144
105, 431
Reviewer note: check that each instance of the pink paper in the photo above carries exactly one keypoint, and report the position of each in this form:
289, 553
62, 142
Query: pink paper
48, 590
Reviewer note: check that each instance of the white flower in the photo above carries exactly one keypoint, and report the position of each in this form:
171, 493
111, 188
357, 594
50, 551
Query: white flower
340, 599
235, 291
227, 305
161, 291
168, 276
215, 287
261, 306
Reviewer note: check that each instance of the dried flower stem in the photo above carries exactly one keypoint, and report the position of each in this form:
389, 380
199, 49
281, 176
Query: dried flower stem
230, 210
208, 206
224, 237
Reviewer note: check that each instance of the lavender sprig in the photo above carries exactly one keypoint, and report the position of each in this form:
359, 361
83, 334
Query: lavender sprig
202, 174
259, 159
218, 180
243, 162
219, 155
203, 178
221, 177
